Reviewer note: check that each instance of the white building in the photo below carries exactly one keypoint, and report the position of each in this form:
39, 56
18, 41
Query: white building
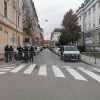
89, 19
55, 36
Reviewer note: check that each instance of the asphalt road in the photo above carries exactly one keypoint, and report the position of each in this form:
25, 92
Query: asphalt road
48, 78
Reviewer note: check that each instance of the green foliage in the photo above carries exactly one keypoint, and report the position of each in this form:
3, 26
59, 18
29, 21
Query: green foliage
82, 48
71, 30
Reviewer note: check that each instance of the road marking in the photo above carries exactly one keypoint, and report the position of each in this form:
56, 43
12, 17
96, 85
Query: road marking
2, 72
30, 69
43, 70
18, 68
57, 71
2, 69
91, 74
10, 67
75, 74
95, 69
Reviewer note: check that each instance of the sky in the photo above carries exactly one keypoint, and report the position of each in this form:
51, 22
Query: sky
53, 11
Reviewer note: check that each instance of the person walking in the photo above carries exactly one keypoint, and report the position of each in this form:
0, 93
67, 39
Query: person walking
6, 49
31, 53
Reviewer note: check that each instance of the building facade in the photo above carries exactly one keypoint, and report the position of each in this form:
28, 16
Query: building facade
30, 23
89, 19
47, 42
41, 37
55, 36
11, 28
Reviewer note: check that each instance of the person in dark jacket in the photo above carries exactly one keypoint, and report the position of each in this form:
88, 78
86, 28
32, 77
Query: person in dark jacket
20, 49
26, 56
31, 54
61, 50
11, 53
6, 49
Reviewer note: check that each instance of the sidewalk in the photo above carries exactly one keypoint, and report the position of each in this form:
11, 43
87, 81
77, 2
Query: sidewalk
1, 57
91, 61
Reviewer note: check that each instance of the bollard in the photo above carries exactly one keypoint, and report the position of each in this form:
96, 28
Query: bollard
95, 56
89, 53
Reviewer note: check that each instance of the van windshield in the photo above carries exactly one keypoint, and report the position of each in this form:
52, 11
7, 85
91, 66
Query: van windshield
71, 49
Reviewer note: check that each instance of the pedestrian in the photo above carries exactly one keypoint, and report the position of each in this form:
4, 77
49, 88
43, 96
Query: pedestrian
26, 56
6, 49
61, 50
31, 52
11, 50
20, 50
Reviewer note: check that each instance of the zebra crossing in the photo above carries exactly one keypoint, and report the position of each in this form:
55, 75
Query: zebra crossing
57, 71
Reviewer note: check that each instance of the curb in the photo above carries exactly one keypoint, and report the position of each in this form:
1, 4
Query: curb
1, 59
88, 63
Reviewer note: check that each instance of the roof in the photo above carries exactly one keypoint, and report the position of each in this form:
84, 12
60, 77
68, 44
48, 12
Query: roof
33, 6
47, 42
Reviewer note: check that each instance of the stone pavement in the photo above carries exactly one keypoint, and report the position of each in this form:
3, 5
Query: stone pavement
91, 60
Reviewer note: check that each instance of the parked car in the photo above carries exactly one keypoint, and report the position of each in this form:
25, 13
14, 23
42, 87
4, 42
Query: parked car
70, 53
38, 49
57, 50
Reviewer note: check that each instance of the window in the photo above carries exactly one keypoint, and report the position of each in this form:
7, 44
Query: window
99, 4
89, 25
89, 11
94, 22
18, 40
18, 20
93, 38
94, 7
5, 9
18, 3
99, 37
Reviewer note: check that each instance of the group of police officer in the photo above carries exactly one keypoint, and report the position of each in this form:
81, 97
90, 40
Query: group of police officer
25, 53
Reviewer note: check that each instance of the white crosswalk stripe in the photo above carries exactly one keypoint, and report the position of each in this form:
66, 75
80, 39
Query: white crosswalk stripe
75, 74
43, 70
30, 69
10, 67
91, 74
3, 69
57, 71
2, 72
18, 68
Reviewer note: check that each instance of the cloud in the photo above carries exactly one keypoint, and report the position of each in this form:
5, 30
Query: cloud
53, 11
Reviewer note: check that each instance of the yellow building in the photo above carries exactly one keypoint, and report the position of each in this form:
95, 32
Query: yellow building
11, 28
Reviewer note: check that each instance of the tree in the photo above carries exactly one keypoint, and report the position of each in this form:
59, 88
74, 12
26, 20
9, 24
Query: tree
71, 30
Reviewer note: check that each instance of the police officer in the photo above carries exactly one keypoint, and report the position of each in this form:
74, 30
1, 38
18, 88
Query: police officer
11, 53
31, 53
26, 56
7, 53
20, 49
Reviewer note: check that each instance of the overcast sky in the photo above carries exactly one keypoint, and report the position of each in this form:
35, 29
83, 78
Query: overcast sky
53, 11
